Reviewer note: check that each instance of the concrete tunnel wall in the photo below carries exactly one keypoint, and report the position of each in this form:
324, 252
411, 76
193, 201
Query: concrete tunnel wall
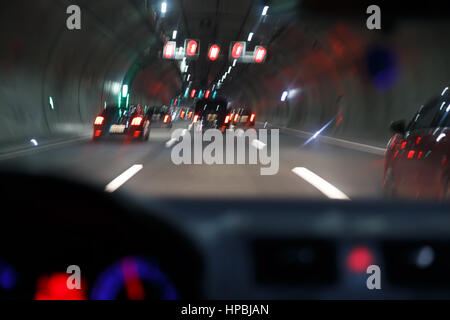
360, 78
80, 70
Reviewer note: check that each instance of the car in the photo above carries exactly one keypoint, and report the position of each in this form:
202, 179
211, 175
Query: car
416, 159
211, 114
132, 122
242, 118
161, 117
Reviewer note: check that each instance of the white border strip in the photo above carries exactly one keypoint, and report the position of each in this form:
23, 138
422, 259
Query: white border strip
322, 185
124, 177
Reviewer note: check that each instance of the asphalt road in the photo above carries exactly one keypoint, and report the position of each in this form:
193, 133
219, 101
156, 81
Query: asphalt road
146, 169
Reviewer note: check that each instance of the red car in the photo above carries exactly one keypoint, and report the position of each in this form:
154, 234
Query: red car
416, 161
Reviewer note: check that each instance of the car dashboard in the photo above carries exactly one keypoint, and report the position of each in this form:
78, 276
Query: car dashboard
128, 247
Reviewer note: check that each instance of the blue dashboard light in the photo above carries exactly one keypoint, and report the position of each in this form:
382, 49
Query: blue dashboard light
8, 276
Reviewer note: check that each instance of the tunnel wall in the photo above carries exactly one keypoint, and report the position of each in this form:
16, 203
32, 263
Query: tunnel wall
80, 69
358, 79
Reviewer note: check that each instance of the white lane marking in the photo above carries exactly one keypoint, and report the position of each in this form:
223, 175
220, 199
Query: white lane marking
322, 185
258, 144
172, 141
124, 177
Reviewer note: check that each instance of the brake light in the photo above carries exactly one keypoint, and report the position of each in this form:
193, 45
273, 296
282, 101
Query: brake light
136, 121
227, 119
190, 115
97, 133
99, 121
166, 118
252, 117
182, 114
196, 118
236, 117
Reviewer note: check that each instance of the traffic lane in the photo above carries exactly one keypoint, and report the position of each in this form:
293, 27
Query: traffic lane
96, 163
165, 179
356, 173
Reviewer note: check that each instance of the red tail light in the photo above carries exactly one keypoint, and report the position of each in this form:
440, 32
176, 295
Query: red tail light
252, 117
196, 118
190, 115
182, 114
166, 118
227, 119
236, 117
99, 121
97, 133
136, 121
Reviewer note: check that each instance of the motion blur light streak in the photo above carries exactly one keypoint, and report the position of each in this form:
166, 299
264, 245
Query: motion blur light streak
440, 137
124, 177
318, 132
34, 142
124, 91
322, 185
284, 96
51, 103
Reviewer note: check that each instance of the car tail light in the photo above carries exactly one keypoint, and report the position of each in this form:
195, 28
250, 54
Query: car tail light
252, 117
190, 115
166, 118
136, 121
137, 134
227, 119
97, 133
236, 117
99, 121
196, 118
182, 114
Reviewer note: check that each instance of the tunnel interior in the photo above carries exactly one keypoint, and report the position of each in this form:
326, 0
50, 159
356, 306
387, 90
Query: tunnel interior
53, 81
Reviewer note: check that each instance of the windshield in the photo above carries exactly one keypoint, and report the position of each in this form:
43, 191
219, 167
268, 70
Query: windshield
235, 100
